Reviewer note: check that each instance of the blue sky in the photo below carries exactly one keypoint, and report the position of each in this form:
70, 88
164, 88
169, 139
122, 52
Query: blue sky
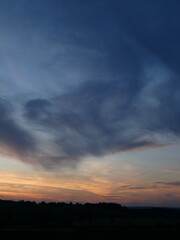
91, 84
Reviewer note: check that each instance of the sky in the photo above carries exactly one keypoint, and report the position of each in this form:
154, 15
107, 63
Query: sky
89, 101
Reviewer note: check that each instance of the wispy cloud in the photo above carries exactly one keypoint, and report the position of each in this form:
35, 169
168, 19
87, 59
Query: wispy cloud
173, 183
173, 171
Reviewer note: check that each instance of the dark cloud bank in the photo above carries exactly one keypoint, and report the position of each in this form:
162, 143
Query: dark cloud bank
95, 119
107, 115
99, 118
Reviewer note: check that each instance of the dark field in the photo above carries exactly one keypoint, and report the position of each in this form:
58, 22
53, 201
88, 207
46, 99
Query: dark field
29, 220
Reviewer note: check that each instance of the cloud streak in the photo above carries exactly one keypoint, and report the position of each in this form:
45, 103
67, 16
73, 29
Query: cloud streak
175, 183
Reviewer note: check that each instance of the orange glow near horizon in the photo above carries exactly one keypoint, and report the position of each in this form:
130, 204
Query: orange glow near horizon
93, 181
17, 187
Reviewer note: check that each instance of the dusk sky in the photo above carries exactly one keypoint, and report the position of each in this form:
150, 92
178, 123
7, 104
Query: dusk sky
90, 101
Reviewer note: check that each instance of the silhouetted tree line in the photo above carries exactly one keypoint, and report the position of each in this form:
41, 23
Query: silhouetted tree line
61, 214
